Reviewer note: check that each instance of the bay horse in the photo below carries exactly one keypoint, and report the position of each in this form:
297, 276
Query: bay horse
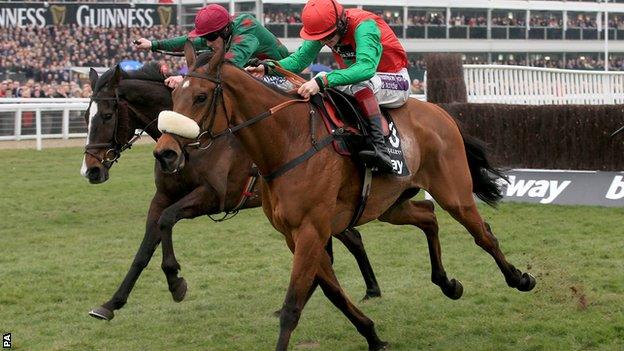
212, 183
316, 198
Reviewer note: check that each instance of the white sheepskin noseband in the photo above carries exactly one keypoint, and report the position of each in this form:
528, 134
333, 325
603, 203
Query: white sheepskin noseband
178, 124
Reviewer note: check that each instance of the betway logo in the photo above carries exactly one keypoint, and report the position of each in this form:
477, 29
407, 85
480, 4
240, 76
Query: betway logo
548, 190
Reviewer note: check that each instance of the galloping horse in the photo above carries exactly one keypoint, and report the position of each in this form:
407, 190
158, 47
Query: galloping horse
212, 183
309, 202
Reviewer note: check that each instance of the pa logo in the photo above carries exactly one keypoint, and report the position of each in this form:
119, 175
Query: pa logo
6, 341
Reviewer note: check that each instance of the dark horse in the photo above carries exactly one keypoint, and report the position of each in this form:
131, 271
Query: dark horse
315, 199
213, 182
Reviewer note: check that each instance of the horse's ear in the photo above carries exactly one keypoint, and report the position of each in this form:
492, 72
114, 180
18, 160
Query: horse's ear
93, 77
114, 82
189, 54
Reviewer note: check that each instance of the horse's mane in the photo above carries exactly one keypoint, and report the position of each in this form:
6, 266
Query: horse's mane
268, 85
149, 72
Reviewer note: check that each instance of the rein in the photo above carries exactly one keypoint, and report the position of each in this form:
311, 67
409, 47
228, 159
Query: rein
218, 92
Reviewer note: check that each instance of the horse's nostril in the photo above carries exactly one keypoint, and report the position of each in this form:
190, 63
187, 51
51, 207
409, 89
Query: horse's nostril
93, 173
168, 155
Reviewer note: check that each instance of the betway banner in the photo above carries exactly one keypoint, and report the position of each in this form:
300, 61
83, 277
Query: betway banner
565, 187
40, 14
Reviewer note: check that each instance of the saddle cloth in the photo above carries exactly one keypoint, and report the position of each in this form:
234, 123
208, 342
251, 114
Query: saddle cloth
339, 110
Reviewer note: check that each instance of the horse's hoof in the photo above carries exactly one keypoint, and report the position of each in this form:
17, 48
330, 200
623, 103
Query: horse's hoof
527, 282
455, 290
179, 292
371, 295
102, 313
382, 345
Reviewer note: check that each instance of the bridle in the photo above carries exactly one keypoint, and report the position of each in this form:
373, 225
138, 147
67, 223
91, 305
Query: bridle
114, 148
217, 94
211, 115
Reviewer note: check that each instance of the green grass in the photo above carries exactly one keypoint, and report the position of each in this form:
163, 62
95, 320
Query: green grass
66, 245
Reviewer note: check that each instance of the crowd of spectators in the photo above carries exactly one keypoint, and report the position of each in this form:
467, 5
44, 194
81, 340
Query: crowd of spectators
10, 88
42, 57
46, 54
507, 21
289, 17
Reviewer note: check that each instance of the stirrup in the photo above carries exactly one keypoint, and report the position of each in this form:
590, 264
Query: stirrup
376, 161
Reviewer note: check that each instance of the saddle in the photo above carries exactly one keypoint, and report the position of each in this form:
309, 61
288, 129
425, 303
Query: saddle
341, 111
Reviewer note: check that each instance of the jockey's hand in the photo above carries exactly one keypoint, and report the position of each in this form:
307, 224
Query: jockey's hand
257, 71
142, 44
173, 81
308, 88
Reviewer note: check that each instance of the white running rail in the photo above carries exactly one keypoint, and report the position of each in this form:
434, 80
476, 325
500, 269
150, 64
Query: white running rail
24, 119
542, 86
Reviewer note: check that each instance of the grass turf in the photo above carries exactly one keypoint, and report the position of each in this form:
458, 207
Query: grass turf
66, 245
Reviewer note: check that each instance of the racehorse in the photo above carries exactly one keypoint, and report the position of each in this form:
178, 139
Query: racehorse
212, 183
310, 200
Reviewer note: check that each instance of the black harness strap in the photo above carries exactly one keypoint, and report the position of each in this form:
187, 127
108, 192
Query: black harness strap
303, 157
366, 188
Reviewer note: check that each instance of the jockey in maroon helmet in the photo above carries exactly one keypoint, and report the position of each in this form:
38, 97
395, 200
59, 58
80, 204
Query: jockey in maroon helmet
243, 36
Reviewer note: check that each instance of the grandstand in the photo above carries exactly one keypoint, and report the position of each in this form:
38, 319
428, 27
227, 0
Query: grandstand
46, 48
554, 34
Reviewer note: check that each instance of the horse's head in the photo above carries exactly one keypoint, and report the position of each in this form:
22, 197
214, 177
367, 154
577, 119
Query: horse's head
198, 109
108, 125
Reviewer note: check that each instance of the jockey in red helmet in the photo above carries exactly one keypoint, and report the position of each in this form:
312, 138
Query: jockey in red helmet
373, 64
243, 36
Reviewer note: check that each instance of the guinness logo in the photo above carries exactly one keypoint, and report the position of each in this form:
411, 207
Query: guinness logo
164, 12
58, 14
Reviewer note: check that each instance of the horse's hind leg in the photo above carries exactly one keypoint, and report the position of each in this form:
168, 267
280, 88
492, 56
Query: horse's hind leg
453, 191
420, 214
141, 259
352, 239
190, 206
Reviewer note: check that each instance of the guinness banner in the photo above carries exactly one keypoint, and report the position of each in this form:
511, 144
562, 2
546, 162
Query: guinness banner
86, 15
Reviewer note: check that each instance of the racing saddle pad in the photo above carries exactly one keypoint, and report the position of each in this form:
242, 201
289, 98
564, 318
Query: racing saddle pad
339, 110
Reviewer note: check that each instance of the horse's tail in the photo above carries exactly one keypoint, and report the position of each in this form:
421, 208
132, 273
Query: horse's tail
483, 174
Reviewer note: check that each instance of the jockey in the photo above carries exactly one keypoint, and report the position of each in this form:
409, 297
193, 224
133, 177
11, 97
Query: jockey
243, 36
373, 65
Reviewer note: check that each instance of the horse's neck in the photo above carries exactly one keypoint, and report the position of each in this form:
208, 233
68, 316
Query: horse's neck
271, 141
144, 105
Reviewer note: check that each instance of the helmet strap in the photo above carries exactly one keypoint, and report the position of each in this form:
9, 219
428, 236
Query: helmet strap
341, 20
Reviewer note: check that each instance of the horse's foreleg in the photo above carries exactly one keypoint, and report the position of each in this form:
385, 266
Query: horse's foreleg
141, 259
421, 214
352, 239
190, 206
332, 290
308, 245
453, 193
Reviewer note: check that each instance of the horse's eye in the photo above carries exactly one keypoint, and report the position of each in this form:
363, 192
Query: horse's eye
107, 116
200, 98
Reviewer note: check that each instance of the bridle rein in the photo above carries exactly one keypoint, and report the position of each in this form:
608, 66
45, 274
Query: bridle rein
218, 93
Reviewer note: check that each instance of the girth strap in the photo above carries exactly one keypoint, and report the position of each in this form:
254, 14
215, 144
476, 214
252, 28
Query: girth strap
366, 188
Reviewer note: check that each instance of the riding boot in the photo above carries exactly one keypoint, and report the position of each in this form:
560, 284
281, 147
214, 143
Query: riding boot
378, 157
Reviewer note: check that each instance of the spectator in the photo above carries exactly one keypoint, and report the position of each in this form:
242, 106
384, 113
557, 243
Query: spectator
3, 89
417, 87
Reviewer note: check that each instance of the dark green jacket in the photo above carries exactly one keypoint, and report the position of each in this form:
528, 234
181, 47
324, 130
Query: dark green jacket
249, 39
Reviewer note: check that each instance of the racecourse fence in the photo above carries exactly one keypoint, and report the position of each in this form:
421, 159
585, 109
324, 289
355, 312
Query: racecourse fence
542, 86
42, 118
